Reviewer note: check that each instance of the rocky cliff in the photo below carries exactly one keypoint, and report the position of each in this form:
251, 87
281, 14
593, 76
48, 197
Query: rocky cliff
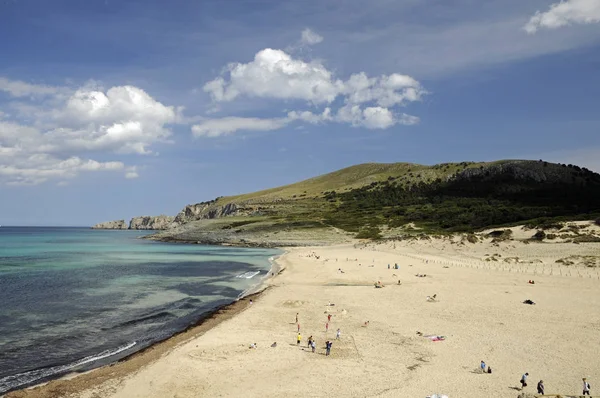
151, 222
118, 224
207, 211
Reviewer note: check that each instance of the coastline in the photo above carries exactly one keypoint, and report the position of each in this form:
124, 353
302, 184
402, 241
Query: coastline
480, 288
76, 382
73, 383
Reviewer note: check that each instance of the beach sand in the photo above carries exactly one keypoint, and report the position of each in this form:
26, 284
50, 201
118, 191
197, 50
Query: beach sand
479, 310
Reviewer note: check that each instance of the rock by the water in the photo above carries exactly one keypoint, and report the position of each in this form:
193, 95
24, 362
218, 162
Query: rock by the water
151, 222
118, 224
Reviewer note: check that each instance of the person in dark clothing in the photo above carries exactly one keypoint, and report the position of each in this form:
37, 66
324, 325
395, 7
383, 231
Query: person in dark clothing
540, 387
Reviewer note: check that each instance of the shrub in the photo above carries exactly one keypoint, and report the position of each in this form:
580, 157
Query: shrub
586, 239
373, 233
539, 235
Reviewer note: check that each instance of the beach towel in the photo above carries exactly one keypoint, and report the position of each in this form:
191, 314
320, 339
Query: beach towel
435, 337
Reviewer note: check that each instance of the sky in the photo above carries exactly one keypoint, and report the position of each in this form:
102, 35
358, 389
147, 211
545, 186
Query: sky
114, 109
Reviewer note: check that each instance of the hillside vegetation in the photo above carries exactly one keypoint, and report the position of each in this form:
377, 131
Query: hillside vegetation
362, 199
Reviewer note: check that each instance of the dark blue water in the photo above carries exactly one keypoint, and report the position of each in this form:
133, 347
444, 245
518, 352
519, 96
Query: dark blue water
74, 298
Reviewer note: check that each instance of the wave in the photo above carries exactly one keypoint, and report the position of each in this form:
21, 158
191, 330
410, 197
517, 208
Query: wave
25, 378
154, 318
249, 274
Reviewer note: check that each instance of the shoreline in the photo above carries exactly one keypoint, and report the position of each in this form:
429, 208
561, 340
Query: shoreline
480, 288
68, 383
75, 382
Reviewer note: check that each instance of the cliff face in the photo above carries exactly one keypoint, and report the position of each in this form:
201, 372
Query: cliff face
118, 224
206, 210
151, 222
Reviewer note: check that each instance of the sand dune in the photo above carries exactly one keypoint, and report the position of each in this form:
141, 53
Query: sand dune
478, 309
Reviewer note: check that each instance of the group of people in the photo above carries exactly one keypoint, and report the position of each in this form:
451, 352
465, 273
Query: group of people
540, 385
311, 344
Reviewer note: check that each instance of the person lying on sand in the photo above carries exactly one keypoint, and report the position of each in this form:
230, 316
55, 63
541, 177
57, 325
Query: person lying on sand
530, 302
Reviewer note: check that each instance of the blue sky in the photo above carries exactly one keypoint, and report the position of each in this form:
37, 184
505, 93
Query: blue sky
114, 109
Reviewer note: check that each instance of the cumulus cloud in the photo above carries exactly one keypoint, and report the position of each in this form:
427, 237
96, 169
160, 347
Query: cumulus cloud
120, 120
361, 100
275, 74
309, 37
565, 13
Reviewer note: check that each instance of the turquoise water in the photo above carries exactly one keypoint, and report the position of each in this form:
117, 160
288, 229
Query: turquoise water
74, 298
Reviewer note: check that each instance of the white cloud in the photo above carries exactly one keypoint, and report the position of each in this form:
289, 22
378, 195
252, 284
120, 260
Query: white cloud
131, 173
370, 118
565, 13
17, 88
120, 120
228, 125
309, 37
361, 101
38, 168
275, 74
378, 118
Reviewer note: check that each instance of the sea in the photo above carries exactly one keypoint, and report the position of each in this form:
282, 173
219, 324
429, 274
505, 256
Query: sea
72, 299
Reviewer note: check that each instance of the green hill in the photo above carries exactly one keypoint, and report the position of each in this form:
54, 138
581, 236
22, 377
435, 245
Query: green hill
447, 197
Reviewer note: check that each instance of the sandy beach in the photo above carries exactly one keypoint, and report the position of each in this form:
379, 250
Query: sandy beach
479, 287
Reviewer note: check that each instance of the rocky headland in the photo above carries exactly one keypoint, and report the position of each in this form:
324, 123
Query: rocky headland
375, 200
139, 223
117, 224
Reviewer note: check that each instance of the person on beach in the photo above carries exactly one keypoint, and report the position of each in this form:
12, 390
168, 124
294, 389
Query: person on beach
310, 340
586, 387
299, 339
524, 380
298, 327
327, 327
540, 387
482, 367
337, 335
328, 347
329, 318
297, 317
313, 345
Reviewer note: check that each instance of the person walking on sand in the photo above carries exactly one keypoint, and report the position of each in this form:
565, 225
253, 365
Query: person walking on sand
313, 345
482, 367
586, 387
299, 339
297, 317
328, 347
524, 380
298, 327
327, 327
337, 335
540, 387
329, 318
